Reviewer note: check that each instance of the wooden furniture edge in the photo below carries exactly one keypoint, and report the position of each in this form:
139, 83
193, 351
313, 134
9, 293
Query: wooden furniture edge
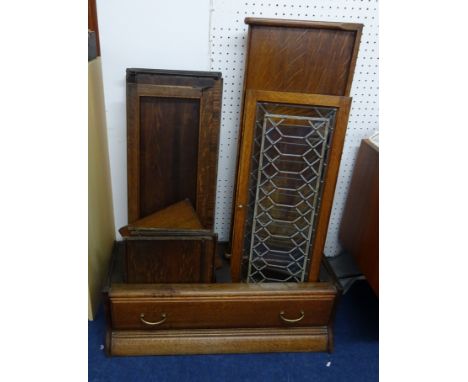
303, 24
218, 341
317, 290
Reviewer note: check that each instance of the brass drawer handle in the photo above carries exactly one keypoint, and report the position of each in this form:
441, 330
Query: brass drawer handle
142, 319
291, 320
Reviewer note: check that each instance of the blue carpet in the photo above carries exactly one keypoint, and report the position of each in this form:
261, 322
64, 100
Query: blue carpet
355, 357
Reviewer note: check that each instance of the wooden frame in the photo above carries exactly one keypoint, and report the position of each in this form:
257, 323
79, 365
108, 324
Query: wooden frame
336, 146
205, 88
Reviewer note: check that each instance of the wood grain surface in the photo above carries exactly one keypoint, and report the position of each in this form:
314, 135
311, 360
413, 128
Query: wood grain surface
172, 140
170, 260
306, 57
217, 341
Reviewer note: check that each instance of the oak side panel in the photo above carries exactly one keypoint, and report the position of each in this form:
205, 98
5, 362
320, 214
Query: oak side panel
168, 152
301, 60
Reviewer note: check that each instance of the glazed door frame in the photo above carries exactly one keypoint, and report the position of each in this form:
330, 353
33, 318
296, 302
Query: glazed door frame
342, 104
208, 142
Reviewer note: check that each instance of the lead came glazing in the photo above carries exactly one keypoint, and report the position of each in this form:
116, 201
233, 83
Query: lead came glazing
287, 169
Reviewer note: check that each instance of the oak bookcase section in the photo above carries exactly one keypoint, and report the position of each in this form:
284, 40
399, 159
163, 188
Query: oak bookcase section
172, 140
297, 59
153, 319
301, 56
288, 166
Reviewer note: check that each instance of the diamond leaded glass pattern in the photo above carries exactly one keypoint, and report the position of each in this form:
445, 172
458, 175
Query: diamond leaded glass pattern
290, 150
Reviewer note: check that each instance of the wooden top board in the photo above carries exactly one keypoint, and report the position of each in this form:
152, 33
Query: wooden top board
179, 217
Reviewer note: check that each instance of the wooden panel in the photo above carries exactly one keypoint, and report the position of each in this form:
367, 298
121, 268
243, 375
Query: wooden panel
301, 56
359, 229
168, 152
122, 343
170, 260
175, 218
240, 215
172, 138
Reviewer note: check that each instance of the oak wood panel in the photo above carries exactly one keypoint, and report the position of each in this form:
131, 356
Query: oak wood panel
168, 152
209, 341
301, 56
178, 216
172, 138
359, 228
170, 259
241, 196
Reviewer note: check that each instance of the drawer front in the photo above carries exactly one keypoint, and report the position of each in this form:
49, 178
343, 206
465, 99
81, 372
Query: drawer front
225, 312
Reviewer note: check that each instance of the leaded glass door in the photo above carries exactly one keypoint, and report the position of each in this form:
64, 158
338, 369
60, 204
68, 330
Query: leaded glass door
288, 165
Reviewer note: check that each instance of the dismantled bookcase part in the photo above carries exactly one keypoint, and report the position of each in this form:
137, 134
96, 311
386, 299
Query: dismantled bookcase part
289, 152
288, 168
173, 122
169, 246
153, 319
177, 219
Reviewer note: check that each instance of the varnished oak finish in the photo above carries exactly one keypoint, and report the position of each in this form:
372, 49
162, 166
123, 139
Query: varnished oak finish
359, 228
170, 259
342, 104
301, 56
172, 139
216, 318
222, 306
297, 56
178, 218
217, 341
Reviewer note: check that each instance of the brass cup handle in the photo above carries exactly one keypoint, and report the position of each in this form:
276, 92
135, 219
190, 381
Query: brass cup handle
291, 320
142, 319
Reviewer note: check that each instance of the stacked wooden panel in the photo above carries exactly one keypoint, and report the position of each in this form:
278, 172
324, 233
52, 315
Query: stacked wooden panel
292, 59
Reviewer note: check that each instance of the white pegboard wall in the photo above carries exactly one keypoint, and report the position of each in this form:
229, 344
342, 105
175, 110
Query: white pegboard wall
228, 35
